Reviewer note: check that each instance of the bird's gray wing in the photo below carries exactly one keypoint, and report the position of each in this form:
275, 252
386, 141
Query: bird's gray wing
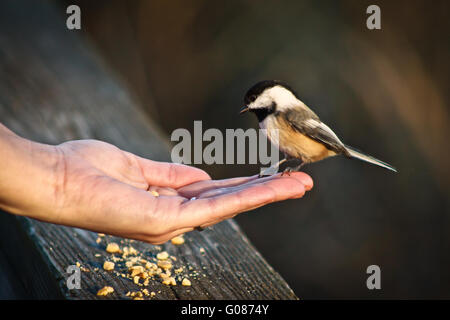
307, 122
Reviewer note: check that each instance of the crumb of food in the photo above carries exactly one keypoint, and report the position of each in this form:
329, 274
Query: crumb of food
155, 193
179, 270
202, 250
113, 248
179, 240
152, 294
136, 270
105, 291
108, 265
136, 280
101, 234
78, 264
186, 282
165, 264
98, 240
170, 281
98, 255
162, 255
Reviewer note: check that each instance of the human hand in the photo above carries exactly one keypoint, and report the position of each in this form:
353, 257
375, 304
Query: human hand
104, 189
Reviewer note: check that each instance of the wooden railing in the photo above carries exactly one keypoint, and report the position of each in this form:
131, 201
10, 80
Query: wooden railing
54, 87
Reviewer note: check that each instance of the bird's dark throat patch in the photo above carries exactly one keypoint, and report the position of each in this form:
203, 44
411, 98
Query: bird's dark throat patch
262, 113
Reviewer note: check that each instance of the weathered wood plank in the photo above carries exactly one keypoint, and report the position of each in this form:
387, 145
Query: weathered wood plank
53, 88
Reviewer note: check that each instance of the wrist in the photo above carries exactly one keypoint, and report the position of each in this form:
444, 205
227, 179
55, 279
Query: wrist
27, 176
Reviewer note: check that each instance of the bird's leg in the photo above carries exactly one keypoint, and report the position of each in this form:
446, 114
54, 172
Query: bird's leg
288, 170
275, 166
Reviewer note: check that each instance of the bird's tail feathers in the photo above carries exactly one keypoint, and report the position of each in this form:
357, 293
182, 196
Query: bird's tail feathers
364, 157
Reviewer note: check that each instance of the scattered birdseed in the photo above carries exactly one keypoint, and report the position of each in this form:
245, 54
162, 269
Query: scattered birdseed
129, 251
177, 240
78, 264
179, 270
155, 193
170, 281
186, 282
136, 270
108, 265
105, 291
135, 294
98, 240
115, 259
164, 264
202, 250
162, 255
113, 248
165, 275
101, 234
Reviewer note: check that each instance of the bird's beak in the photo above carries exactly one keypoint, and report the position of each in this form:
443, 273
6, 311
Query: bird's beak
243, 110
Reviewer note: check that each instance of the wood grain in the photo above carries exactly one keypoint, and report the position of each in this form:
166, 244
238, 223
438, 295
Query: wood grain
53, 87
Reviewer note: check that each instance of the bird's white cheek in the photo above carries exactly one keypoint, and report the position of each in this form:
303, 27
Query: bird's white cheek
263, 101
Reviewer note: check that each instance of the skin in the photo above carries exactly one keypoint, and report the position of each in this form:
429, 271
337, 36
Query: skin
96, 186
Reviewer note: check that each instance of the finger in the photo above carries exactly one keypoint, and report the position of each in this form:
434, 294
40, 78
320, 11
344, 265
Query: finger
199, 189
173, 175
303, 177
211, 192
195, 189
211, 210
233, 188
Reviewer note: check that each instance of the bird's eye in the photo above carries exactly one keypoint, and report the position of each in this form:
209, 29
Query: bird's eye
252, 97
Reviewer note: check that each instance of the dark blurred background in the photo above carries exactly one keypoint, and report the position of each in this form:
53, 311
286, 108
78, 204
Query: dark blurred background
386, 92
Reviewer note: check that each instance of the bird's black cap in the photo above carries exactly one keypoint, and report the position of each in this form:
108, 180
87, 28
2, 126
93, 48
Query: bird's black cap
259, 88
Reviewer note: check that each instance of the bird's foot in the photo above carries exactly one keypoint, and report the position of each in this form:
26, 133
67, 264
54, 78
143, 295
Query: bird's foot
288, 170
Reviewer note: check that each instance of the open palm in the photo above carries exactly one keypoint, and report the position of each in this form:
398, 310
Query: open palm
105, 189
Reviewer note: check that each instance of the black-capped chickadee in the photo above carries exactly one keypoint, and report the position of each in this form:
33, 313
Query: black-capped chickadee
301, 134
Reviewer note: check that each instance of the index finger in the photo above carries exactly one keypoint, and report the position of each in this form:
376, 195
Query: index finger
207, 211
172, 175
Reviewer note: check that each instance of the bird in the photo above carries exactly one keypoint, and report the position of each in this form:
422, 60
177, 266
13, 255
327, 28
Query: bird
301, 135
